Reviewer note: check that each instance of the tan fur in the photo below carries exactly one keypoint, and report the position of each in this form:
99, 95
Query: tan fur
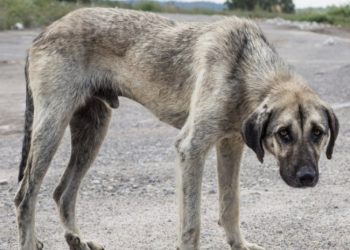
221, 83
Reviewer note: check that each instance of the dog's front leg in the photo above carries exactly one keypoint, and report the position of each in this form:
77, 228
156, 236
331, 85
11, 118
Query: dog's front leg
229, 154
191, 156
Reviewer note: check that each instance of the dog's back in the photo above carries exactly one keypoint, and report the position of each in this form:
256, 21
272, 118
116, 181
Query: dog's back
138, 55
106, 30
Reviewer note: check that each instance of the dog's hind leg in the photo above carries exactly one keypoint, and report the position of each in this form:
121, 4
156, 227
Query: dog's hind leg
88, 129
51, 117
229, 154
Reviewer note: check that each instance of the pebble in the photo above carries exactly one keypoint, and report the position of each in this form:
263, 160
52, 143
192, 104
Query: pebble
168, 192
18, 26
212, 191
6, 127
329, 41
4, 182
96, 182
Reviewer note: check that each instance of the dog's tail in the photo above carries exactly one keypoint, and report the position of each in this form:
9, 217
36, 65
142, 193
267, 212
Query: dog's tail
28, 122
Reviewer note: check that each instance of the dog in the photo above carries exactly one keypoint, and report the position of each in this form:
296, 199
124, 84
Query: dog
221, 84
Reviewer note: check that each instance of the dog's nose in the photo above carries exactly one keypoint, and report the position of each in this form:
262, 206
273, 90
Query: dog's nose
306, 176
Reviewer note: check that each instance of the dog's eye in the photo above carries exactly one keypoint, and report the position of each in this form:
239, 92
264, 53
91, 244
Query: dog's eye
285, 135
317, 133
283, 132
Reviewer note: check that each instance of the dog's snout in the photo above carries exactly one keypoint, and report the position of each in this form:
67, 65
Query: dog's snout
306, 176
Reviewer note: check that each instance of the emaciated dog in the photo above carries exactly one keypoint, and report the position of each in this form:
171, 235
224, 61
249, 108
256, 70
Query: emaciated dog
222, 84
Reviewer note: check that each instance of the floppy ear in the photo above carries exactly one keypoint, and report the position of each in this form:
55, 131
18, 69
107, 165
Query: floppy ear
334, 129
254, 129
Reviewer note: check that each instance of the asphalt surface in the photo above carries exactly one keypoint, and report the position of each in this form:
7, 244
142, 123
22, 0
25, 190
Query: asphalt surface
127, 200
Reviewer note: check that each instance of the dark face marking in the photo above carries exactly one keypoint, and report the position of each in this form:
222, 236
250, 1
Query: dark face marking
296, 138
301, 117
299, 167
316, 133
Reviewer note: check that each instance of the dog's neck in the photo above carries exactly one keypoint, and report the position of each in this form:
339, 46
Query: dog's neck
274, 81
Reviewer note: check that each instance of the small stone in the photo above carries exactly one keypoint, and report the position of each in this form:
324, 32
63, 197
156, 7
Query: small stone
18, 26
212, 191
329, 243
329, 41
96, 182
3, 182
168, 192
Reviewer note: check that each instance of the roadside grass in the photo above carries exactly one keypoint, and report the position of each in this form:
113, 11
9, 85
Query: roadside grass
32, 13
332, 15
37, 13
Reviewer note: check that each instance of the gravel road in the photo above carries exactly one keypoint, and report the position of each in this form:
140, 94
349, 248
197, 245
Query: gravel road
127, 200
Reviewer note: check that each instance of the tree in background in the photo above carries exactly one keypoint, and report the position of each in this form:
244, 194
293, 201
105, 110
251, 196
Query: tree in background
76, 1
241, 4
286, 6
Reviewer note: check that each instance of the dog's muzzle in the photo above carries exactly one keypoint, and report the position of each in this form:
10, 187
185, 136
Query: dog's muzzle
306, 176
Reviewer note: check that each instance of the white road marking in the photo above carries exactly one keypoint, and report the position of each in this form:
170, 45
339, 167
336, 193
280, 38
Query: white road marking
341, 105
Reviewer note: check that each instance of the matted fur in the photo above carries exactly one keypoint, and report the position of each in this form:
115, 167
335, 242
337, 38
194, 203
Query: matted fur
221, 83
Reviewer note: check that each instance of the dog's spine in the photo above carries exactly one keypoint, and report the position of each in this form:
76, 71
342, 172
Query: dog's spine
27, 124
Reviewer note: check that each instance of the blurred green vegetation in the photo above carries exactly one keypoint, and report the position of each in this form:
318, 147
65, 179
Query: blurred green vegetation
38, 13
331, 15
285, 6
147, 6
31, 13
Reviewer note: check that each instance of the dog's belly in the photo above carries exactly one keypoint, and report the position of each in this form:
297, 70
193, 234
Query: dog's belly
167, 98
176, 120
168, 104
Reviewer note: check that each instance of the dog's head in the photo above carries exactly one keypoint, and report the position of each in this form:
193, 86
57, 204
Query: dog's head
294, 126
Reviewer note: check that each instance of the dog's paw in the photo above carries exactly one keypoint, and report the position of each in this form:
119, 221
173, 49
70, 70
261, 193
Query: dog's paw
252, 246
75, 243
33, 244
246, 246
